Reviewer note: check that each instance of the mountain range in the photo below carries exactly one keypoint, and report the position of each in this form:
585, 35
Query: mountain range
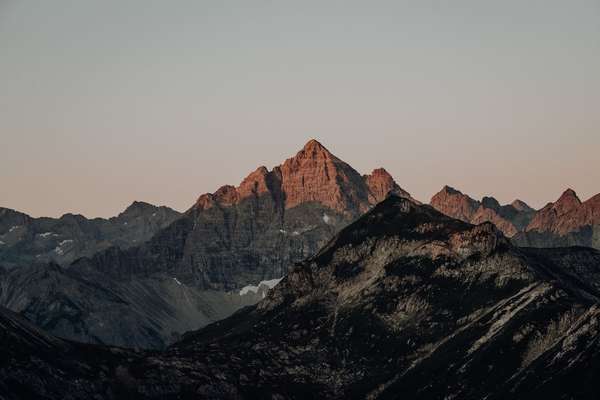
25, 240
204, 265
147, 276
405, 302
566, 222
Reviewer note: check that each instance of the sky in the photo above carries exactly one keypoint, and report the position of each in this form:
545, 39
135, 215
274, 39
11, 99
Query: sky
107, 102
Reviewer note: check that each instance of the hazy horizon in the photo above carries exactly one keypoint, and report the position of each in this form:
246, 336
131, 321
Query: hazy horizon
104, 103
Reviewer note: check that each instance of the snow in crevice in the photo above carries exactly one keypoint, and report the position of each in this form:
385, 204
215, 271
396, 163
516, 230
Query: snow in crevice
59, 250
46, 235
177, 281
326, 219
264, 285
12, 228
2, 243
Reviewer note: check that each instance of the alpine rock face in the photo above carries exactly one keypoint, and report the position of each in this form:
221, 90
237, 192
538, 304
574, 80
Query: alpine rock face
566, 222
405, 302
192, 272
510, 219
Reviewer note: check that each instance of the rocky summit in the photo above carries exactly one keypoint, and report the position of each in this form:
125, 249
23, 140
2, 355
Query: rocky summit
510, 219
195, 270
403, 303
566, 222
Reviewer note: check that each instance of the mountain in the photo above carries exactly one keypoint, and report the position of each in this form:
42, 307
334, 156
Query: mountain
25, 240
566, 222
194, 271
510, 219
405, 302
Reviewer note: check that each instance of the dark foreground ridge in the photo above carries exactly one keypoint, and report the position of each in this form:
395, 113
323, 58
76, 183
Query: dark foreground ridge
403, 303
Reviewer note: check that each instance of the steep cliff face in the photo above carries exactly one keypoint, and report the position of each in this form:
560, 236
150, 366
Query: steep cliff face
313, 175
25, 240
510, 219
403, 303
191, 272
566, 222
253, 232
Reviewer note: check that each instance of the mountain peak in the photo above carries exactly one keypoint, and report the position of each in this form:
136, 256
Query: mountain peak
380, 184
313, 150
520, 205
138, 205
569, 193
406, 220
314, 145
449, 190
568, 201
454, 203
381, 172
490, 202
314, 174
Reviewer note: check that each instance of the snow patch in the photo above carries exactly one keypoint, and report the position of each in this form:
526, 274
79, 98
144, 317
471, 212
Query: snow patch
295, 233
124, 223
177, 281
12, 228
58, 250
283, 231
2, 243
326, 219
47, 234
266, 285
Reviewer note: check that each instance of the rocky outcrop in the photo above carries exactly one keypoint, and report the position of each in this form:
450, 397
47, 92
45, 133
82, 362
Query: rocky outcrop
380, 184
454, 203
510, 219
566, 222
25, 240
404, 302
313, 175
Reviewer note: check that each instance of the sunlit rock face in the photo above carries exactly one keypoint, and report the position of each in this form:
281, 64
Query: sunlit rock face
566, 222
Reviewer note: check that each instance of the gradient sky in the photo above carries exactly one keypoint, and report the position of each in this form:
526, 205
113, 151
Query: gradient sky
106, 102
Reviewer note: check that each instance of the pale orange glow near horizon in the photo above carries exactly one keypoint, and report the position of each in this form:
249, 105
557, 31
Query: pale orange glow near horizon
110, 102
